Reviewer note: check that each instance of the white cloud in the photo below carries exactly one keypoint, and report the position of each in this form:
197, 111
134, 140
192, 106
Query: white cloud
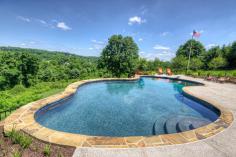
163, 34
42, 21
97, 45
63, 26
97, 42
162, 55
136, 20
160, 47
140, 39
144, 10
32, 42
201, 31
211, 46
162, 52
25, 19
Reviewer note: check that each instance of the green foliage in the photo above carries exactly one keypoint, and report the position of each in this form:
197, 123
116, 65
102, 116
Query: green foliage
120, 56
19, 138
217, 63
212, 53
197, 49
180, 62
195, 64
151, 66
16, 153
30, 66
205, 73
215, 58
60, 154
143, 64
232, 55
20, 95
47, 150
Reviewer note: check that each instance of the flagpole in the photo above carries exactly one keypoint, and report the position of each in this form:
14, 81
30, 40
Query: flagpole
190, 51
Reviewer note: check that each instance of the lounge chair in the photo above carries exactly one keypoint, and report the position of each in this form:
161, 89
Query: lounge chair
160, 71
211, 78
168, 71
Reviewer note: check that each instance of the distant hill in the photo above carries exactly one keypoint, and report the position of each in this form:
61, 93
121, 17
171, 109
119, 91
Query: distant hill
44, 54
30, 66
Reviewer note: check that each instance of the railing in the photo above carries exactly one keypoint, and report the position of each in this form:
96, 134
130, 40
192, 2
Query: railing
4, 114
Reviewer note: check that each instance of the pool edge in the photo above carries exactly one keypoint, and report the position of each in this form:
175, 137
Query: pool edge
23, 119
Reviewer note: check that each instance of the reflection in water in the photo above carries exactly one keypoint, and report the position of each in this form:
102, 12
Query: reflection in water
178, 87
141, 83
120, 87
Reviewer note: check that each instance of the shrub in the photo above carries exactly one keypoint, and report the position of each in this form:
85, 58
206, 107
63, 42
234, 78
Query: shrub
217, 63
19, 138
47, 150
16, 153
196, 64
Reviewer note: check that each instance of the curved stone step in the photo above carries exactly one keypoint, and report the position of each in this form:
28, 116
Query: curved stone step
170, 125
180, 124
190, 123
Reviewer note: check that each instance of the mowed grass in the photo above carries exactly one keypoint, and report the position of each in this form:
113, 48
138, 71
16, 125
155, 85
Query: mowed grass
19, 95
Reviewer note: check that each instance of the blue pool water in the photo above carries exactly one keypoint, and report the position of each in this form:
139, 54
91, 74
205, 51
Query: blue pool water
149, 106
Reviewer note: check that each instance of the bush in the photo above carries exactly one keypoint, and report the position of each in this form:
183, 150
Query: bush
217, 63
47, 150
16, 153
179, 63
19, 138
196, 64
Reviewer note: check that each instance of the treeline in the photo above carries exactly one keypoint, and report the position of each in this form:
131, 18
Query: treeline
31, 66
215, 58
118, 59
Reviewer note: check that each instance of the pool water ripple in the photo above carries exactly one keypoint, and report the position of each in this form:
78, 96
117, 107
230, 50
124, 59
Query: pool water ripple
124, 108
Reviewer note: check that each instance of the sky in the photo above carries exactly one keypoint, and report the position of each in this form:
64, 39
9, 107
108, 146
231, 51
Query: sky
83, 27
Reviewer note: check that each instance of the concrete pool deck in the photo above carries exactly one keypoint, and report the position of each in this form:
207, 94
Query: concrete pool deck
223, 96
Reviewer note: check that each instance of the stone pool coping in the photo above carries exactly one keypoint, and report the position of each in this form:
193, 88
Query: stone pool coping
23, 119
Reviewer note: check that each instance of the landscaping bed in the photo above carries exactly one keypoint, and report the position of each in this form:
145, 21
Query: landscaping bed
18, 144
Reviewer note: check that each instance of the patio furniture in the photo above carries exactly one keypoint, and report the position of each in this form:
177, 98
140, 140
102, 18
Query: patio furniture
168, 71
160, 71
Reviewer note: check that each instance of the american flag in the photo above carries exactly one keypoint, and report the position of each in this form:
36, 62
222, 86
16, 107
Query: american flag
196, 34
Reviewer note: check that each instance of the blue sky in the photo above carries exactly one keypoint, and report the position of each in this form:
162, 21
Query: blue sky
83, 27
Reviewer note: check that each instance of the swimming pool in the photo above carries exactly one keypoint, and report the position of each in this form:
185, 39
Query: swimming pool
149, 106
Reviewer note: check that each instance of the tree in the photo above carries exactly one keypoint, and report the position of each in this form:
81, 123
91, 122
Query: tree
120, 56
217, 63
179, 62
232, 56
29, 68
143, 64
197, 49
196, 64
212, 53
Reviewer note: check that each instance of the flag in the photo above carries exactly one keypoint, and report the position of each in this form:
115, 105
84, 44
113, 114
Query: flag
196, 34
